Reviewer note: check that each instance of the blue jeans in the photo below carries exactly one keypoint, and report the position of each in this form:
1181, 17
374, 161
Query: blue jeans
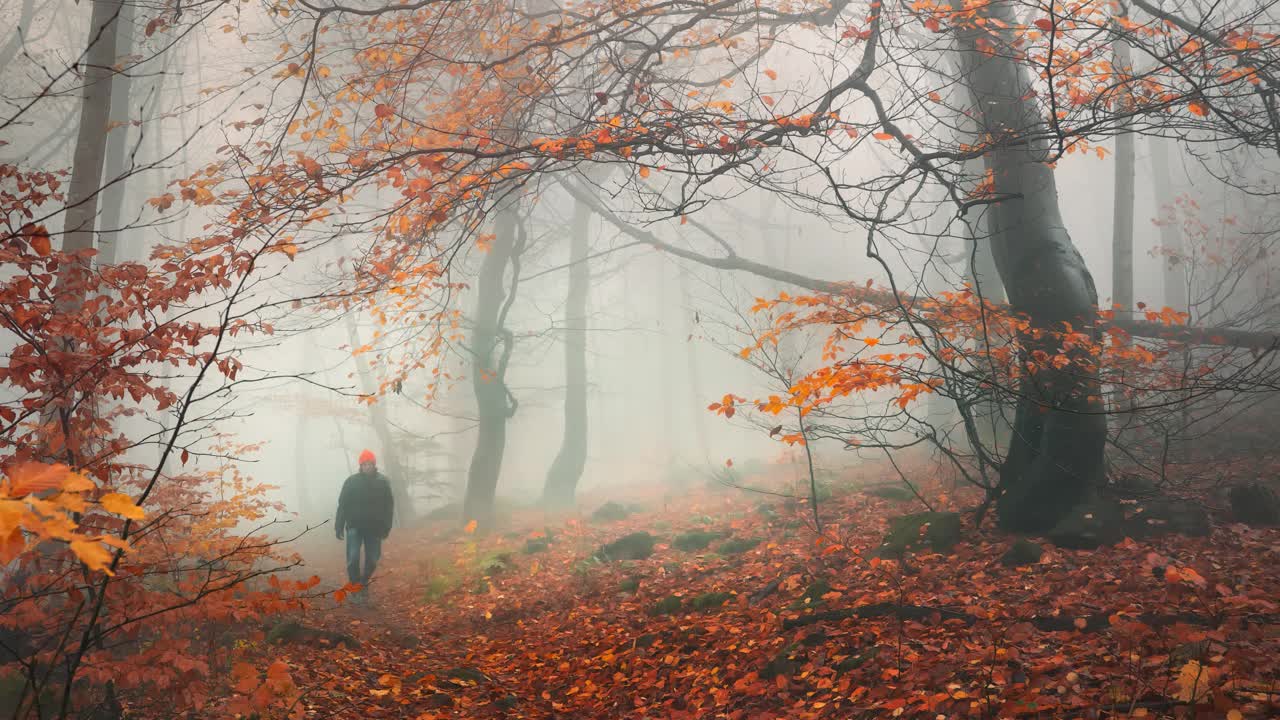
372, 543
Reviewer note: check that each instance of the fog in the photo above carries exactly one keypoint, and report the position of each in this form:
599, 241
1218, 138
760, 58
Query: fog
753, 271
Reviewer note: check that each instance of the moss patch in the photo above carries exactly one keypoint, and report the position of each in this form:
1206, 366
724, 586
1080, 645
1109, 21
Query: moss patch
696, 540
940, 531
711, 600
737, 546
636, 546
669, 605
611, 512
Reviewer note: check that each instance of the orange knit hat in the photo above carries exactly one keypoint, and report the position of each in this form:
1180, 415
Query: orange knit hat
367, 456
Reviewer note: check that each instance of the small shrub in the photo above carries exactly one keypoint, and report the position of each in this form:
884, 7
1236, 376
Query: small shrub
636, 546
711, 600
611, 512
438, 586
737, 546
695, 540
669, 605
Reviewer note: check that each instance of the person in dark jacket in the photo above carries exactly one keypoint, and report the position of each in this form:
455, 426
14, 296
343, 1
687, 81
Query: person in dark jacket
365, 509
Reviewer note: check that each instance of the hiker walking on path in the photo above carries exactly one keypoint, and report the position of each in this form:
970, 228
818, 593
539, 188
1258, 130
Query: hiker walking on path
365, 509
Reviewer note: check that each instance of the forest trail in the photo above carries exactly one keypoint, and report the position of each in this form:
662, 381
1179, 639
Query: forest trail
758, 617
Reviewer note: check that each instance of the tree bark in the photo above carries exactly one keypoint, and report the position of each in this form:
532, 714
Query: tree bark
1059, 432
405, 514
566, 469
82, 205
90, 153
116, 177
1175, 279
490, 351
1122, 210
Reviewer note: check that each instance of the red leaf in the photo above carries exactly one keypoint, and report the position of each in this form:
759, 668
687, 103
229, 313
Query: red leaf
40, 243
1044, 24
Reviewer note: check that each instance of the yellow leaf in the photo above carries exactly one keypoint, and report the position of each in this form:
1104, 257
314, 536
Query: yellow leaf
71, 502
1234, 714
1193, 681
75, 482
122, 505
92, 554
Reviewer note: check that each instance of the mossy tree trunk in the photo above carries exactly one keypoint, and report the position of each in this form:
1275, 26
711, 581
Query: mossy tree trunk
1059, 431
490, 351
566, 469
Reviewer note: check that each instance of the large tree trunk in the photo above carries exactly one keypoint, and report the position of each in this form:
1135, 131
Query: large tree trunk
1122, 220
566, 469
117, 162
79, 220
488, 372
1173, 264
1175, 278
1056, 453
1122, 210
95, 105
405, 514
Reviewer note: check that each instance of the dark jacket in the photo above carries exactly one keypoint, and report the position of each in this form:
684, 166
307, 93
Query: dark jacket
366, 504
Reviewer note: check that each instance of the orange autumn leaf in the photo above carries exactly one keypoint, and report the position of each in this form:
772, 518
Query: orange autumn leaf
121, 505
92, 554
773, 75
245, 677
36, 477
882, 136
12, 543
470, 527
1199, 108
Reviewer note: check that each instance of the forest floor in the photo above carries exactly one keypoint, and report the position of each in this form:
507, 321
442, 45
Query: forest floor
772, 619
